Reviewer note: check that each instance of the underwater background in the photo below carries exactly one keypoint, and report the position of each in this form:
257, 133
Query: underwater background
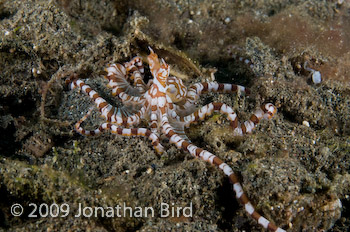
295, 168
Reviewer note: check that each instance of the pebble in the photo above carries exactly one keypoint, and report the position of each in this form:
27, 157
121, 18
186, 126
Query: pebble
306, 123
316, 77
149, 171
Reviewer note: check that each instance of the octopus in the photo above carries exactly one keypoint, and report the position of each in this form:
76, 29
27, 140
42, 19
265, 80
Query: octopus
168, 107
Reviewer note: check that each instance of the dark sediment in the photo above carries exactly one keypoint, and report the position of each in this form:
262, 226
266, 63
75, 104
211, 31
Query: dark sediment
295, 167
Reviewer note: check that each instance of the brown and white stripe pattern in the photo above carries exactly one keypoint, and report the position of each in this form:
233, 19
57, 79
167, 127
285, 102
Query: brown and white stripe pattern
109, 112
136, 69
197, 89
167, 98
121, 87
266, 111
135, 62
120, 131
205, 155
176, 90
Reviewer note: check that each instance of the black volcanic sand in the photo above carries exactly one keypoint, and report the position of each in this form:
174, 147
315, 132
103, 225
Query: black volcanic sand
295, 168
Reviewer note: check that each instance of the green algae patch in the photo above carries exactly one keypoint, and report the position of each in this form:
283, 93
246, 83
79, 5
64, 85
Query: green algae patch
44, 185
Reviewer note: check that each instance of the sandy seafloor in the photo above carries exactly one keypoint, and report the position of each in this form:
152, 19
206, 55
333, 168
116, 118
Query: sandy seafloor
295, 167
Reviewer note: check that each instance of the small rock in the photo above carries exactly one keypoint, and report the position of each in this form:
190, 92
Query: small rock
306, 123
316, 77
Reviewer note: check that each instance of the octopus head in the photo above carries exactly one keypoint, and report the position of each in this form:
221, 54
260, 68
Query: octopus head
159, 69
176, 90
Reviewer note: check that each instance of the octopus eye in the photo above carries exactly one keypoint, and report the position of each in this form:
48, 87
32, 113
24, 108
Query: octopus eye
172, 90
176, 90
